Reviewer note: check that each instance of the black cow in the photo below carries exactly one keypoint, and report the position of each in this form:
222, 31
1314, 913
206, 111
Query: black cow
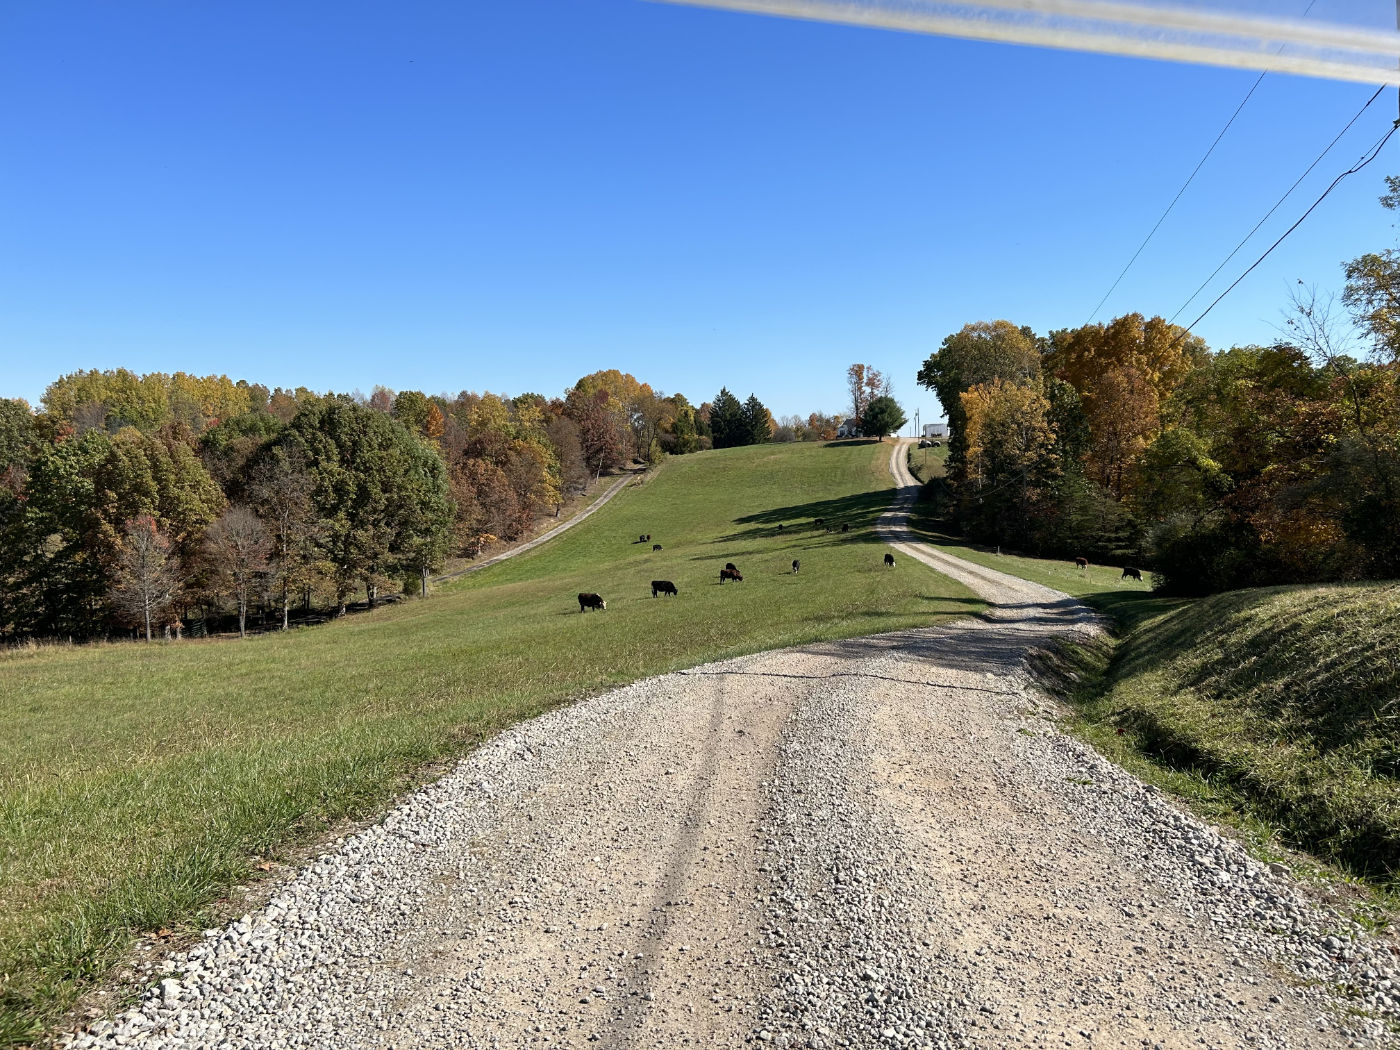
889, 561
730, 574
1132, 574
780, 526
663, 587
641, 539
591, 601
656, 546
796, 565
819, 521
731, 566
1081, 563
845, 527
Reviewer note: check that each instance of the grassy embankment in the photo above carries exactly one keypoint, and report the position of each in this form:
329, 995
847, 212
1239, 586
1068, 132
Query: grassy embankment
139, 782
1274, 709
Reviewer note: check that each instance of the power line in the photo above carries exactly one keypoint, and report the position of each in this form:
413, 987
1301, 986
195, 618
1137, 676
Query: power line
1277, 204
1189, 179
1366, 159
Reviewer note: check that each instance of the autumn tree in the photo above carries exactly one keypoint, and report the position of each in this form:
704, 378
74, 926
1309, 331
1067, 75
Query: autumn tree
236, 548
563, 434
864, 384
1373, 289
682, 435
280, 488
1010, 458
977, 354
145, 573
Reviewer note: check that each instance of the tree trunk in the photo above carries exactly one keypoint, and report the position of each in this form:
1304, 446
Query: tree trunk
423, 582
285, 605
242, 616
147, 611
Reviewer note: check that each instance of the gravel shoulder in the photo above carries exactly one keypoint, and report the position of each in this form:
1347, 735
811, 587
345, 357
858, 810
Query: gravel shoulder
877, 842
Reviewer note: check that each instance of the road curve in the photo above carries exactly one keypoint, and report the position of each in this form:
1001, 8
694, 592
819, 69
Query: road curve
878, 842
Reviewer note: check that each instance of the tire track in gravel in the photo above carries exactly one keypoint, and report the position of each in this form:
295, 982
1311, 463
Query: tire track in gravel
881, 841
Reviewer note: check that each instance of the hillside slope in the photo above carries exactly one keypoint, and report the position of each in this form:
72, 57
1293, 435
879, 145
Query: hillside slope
1287, 697
137, 782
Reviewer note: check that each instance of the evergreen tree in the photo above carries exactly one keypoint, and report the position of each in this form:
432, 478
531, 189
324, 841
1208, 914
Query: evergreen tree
727, 423
758, 422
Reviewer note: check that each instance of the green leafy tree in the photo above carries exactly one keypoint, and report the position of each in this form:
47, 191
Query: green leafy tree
882, 416
377, 489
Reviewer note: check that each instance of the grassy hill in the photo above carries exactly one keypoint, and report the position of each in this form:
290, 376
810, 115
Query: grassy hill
1281, 702
138, 782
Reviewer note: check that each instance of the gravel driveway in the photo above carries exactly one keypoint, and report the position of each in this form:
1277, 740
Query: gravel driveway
877, 842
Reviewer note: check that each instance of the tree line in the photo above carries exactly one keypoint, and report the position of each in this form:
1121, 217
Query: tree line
1134, 441
154, 501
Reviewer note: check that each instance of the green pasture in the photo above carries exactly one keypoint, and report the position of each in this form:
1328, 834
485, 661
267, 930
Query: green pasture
139, 782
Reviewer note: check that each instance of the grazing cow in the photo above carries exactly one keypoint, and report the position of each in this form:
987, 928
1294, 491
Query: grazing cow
889, 561
1081, 563
663, 587
780, 526
731, 566
591, 601
819, 521
796, 565
641, 539
1132, 574
845, 527
730, 574
656, 546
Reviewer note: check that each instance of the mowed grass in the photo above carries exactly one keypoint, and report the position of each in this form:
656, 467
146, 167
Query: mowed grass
139, 782
1281, 702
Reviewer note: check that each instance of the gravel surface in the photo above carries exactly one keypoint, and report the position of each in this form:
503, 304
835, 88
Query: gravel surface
877, 842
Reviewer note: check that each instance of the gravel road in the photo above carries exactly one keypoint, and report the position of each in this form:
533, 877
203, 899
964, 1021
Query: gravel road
877, 842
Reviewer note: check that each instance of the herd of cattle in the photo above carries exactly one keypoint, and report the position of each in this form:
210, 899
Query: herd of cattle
588, 600
730, 572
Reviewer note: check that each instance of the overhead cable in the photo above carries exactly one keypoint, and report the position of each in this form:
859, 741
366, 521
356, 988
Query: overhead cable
1277, 204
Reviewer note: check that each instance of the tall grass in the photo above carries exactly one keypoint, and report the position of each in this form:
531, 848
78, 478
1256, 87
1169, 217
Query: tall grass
139, 782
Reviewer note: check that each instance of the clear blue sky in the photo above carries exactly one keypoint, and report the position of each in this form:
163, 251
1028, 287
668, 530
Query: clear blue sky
507, 196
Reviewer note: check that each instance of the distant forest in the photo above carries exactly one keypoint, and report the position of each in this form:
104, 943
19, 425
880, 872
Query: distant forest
1134, 442
161, 503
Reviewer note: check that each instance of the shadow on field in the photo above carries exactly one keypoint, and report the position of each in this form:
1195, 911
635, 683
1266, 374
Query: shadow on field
860, 512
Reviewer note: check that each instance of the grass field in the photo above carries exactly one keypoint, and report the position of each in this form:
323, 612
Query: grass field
139, 782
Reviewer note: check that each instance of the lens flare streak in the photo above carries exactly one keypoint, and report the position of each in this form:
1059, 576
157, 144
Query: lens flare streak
1145, 30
